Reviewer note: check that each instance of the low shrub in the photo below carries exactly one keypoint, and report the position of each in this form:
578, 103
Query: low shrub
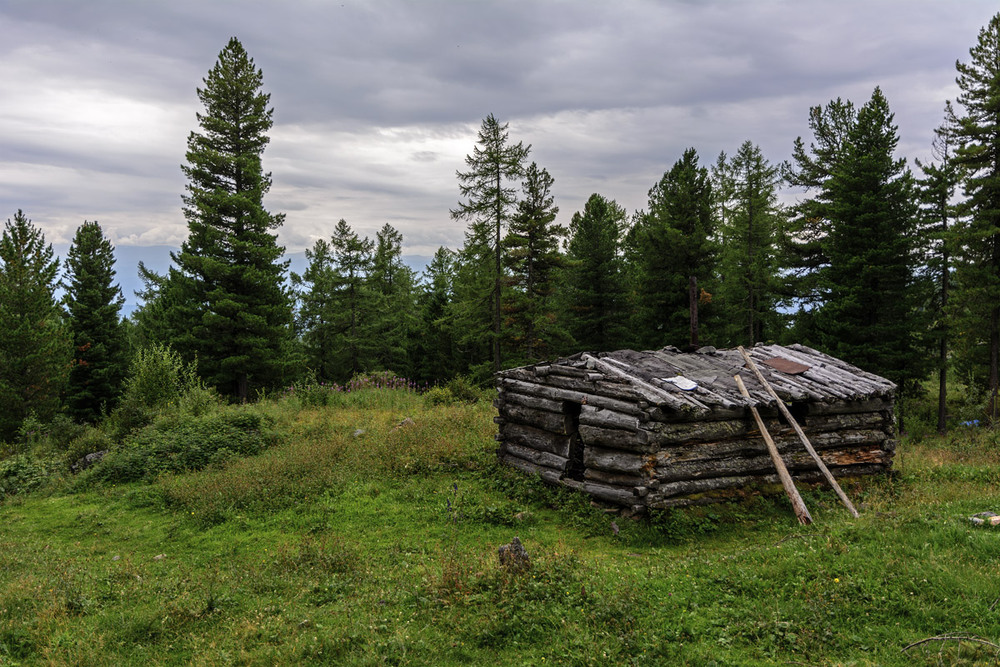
439, 396
464, 390
186, 443
22, 473
90, 441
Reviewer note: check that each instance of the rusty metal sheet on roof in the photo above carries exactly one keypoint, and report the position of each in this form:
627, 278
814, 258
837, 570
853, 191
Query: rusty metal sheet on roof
786, 365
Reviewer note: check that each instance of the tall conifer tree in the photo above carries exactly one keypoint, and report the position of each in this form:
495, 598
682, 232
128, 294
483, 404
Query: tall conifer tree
594, 295
978, 154
353, 302
678, 255
533, 259
317, 314
34, 347
746, 192
435, 349
938, 214
233, 312
94, 303
802, 248
394, 318
870, 314
490, 198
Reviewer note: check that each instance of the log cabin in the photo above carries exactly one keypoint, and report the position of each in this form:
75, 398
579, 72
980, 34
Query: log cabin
665, 428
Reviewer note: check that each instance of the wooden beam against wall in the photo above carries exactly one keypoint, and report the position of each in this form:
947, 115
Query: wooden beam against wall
798, 505
802, 436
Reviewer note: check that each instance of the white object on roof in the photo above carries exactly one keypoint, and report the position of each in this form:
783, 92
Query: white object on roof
682, 382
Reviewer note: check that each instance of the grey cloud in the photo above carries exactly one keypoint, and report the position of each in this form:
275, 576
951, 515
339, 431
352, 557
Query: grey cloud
376, 102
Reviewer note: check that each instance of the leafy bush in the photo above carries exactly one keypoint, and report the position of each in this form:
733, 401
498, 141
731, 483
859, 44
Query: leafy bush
22, 473
464, 390
90, 441
439, 396
159, 380
157, 376
63, 431
186, 443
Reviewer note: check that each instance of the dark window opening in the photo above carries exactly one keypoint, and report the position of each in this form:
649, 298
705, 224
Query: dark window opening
574, 470
800, 411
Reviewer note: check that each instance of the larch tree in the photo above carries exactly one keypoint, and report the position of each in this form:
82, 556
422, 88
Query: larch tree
938, 215
94, 301
749, 228
35, 347
533, 259
977, 297
490, 195
802, 247
234, 311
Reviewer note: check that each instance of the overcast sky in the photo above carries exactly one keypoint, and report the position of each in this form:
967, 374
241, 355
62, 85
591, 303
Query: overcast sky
377, 103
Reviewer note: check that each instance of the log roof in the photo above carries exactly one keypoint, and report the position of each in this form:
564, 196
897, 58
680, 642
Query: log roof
658, 377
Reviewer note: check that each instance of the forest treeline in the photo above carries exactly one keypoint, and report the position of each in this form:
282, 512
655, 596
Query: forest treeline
892, 268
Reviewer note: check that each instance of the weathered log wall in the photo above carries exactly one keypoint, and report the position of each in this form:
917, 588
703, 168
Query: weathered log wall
584, 425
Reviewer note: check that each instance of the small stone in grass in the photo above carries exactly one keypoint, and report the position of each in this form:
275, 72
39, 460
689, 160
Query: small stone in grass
514, 557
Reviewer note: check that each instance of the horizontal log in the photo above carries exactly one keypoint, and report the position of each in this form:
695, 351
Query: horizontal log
535, 438
754, 444
848, 407
543, 419
637, 441
671, 490
535, 456
617, 460
669, 416
548, 474
514, 386
614, 478
536, 402
618, 495
762, 464
596, 416
569, 371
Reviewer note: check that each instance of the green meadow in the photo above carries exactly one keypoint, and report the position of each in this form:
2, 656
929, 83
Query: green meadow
303, 531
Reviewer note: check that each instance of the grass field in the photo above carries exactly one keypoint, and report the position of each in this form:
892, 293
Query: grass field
354, 540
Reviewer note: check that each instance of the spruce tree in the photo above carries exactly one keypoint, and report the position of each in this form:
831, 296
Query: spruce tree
749, 227
232, 313
316, 314
533, 259
353, 300
977, 297
94, 303
35, 347
594, 296
678, 255
435, 349
393, 313
870, 314
491, 196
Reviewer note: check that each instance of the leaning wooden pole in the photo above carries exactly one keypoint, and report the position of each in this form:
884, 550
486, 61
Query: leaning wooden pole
798, 505
798, 430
